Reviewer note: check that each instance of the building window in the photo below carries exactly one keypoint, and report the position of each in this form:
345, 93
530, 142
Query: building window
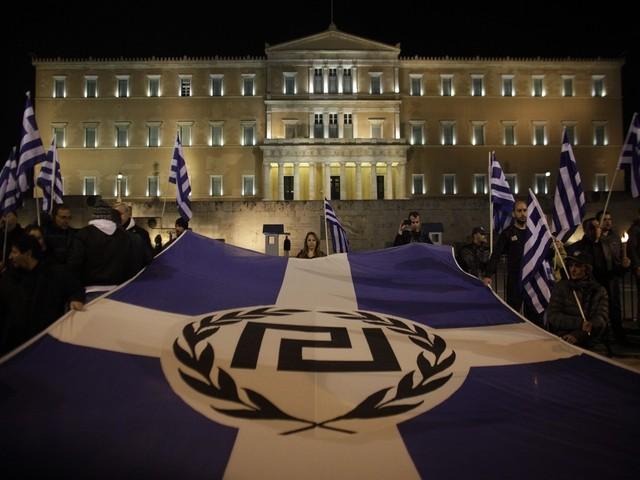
375, 83
217, 134
318, 126
509, 133
216, 85
153, 186
121, 186
333, 125
248, 185
417, 133
288, 187
153, 85
599, 134
184, 130
480, 184
512, 180
449, 184
477, 85
416, 85
185, 86
248, 85
122, 89
153, 135
376, 127
59, 87
567, 85
541, 185
335, 187
446, 85
122, 135
347, 81
570, 129
601, 182
539, 134
477, 137
90, 86
348, 126
417, 184
89, 187
537, 86
290, 129
91, 137
333, 80
248, 133
59, 134
448, 132
317, 81
597, 86
507, 86
289, 84
215, 186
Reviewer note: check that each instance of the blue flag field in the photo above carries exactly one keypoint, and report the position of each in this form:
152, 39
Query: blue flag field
220, 362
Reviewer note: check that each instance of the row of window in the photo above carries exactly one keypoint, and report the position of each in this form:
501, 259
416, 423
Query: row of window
121, 186
122, 134
449, 186
329, 83
417, 135
539, 133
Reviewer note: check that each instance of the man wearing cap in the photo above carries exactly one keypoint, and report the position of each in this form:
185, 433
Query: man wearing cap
563, 313
474, 256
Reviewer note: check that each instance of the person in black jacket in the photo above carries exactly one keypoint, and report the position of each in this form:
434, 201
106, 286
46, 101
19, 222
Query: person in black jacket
140, 241
473, 257
59, 234
33, 294
8, 222
410, 230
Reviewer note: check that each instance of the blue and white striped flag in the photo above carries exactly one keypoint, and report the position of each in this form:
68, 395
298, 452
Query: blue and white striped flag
31, 148
339, 240
569, 202
9, 193
630, 154
537, 276
180, 177
501, 196
50, 175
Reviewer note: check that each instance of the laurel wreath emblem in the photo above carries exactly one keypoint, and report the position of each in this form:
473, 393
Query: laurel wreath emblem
253, 405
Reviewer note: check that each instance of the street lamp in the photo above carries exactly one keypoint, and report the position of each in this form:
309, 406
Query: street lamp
119, 189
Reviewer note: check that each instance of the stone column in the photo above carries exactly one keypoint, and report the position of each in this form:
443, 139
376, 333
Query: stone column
343, 181
296, 181
266, 180
402, 181
358, 181
396, 120
269, 134
388, 182
339, 71
325, 124
280, 181
312, 181
311, 124
340, 124
310, 83
326, 169
354, 79
374, 181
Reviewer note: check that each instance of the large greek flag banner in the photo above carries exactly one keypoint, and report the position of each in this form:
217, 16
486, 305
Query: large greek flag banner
218, 362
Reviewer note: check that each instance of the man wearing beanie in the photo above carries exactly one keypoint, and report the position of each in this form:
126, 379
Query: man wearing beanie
102, 255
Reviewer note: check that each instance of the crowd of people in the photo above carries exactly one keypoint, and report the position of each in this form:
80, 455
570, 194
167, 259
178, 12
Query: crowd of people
54, 267
50, 268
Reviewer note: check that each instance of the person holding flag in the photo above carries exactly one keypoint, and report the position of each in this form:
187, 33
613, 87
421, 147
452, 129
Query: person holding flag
180, 177
339, 240
9, 202
501, 201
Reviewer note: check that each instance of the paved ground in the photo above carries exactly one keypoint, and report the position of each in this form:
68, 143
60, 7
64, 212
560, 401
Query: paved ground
629, 351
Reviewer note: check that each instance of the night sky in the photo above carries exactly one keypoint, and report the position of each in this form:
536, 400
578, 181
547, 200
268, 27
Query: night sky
425, 28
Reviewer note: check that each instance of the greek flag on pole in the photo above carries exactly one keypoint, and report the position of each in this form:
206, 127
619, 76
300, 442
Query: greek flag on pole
9, 194
569, 202
50, 176
501, 196
180, 177
630, 154
31, 149
339, 239
537, 276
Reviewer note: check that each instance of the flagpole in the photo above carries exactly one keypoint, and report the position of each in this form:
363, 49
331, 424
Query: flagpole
326, 226
37, 210
53, 176
490, 210
4, 244
555, 247
615, 173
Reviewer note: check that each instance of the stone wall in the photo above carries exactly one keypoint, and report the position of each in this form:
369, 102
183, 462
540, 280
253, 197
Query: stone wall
371, 224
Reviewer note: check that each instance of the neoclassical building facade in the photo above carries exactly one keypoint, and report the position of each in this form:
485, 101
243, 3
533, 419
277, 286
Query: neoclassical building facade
332, 115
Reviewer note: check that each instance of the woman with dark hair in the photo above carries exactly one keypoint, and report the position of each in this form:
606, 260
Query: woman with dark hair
311, 247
